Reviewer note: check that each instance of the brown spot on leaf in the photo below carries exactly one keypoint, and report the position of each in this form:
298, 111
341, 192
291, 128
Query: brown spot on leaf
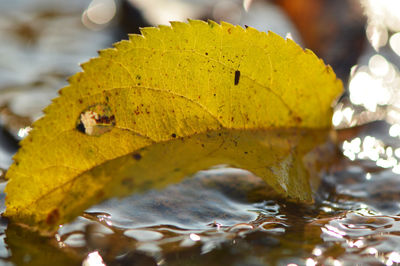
137, 156
100, 194
53, 217
298, 119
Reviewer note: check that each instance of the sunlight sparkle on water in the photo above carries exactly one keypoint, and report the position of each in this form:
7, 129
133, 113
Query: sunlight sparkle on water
357, 244
372, 251
337, 263
194, 237
317, 252
377, 36
351, 148
368, 176
367, 90
378, 65
394, 130
344, 115
395, 43
396, 169
333, 231
310, 262
326, 209
371, 148
93, 259
378, 82
394, 257
383, 13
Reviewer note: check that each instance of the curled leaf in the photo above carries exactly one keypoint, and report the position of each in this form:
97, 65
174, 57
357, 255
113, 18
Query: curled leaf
167, 90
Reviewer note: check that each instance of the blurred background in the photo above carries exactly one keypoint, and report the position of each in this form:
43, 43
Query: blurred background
42, 43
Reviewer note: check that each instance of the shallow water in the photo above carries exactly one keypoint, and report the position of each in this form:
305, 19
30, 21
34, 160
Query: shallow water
218, 215
210, 219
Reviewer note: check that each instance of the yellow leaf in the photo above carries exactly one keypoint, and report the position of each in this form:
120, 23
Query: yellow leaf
183, 83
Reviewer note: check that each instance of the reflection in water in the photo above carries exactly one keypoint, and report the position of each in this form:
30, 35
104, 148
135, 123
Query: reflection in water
347, 228
360, 234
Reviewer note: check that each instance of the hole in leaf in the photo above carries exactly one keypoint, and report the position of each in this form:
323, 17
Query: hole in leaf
96, 120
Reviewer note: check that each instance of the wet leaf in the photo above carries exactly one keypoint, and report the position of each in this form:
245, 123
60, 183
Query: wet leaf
166, 103
30, 248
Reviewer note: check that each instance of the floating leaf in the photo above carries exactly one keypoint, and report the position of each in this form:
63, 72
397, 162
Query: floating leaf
152, 102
